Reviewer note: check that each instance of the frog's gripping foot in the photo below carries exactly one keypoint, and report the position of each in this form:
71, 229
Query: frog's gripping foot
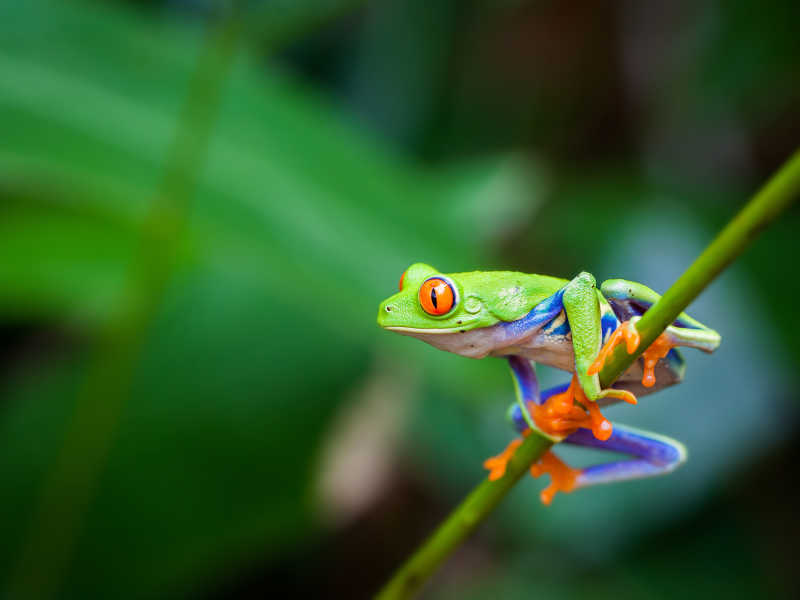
627, 332
496, 465
657, 350
562, 476
560, 415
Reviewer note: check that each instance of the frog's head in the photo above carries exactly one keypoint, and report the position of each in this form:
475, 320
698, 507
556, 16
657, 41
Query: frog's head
454, 312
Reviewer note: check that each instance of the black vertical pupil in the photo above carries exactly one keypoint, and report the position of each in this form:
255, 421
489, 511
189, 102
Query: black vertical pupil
433, 298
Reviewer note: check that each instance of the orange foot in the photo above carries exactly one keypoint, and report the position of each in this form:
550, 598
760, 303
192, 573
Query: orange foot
657, 350
560, 415
627, 331
562, 476
497, 464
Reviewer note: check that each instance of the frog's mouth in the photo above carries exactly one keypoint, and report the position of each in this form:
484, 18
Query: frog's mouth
418, 330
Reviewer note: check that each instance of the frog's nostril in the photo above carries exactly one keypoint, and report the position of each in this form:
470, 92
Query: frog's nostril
388, 308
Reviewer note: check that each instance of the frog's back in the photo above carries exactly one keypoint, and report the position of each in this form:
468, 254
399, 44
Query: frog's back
507, 283
541, 286
508, 295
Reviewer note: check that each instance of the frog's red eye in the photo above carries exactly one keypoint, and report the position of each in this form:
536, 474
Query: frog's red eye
436, 296
402, 280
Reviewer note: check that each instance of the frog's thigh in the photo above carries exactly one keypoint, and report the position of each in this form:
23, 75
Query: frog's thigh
622, 289
653, 454
702, 339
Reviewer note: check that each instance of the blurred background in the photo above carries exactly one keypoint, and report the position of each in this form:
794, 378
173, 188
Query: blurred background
202, 204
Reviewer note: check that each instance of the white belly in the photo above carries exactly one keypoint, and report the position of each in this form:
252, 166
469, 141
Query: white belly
555, 351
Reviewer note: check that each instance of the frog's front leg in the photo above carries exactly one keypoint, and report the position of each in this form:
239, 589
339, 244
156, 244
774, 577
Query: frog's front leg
582, 305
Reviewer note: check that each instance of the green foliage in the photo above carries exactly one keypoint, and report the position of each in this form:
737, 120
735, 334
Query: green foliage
298, 226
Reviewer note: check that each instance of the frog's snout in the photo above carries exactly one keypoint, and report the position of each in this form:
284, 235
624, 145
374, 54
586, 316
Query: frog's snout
386, 311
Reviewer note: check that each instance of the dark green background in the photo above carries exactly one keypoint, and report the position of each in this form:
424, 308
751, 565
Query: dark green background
195, 400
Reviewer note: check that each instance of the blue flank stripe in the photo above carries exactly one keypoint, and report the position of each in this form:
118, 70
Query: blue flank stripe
609, 324
562, 329
543, 312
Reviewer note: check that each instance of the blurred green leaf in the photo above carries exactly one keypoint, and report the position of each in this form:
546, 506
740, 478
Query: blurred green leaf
298, 228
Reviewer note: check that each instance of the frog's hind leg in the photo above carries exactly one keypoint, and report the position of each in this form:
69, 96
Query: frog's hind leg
630, 300
558, 418
527, 388
652, 454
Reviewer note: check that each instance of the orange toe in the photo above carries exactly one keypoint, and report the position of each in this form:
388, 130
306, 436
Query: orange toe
657, 350
562, 476
496, 465
627, 332
600, 426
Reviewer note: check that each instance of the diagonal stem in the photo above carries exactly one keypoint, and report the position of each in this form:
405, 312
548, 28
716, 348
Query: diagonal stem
773, 198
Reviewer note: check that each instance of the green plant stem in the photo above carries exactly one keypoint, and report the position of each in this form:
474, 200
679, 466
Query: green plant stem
462, 522
774, 197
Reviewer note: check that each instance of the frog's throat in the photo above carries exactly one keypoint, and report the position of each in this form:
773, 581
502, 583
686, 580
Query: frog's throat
472, 343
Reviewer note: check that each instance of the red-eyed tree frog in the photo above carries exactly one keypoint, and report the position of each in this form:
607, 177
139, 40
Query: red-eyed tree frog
568, 324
